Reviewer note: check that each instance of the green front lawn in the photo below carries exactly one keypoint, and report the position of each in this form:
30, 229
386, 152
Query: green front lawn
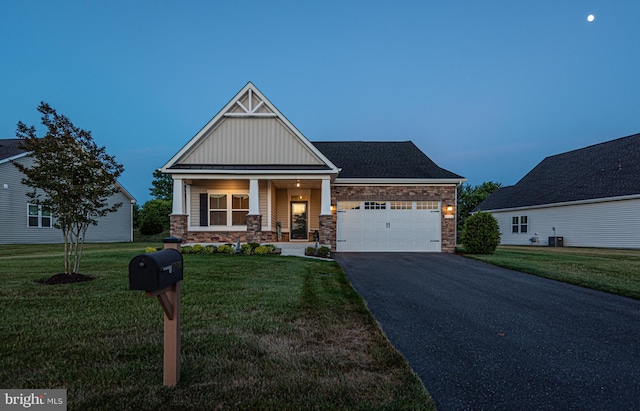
257, 332
613, 271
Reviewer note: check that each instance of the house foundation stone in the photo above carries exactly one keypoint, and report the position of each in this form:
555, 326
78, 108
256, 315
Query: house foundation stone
178, 225
254, 228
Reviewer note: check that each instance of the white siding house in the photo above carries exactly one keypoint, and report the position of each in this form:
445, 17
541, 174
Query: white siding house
589, 197
24, 223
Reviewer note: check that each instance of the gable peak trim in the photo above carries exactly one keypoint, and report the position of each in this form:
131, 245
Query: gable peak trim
251, 106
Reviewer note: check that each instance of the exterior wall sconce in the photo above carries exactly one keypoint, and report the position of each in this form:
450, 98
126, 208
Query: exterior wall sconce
333, 209
449, 212
298, 184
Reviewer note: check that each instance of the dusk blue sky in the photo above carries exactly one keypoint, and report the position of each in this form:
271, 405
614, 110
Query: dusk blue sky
486, 89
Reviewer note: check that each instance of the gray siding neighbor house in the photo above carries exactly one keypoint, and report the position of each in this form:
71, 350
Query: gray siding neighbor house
589, 197
24, 223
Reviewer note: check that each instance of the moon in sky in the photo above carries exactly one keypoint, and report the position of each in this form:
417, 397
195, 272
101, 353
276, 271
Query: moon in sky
591, 18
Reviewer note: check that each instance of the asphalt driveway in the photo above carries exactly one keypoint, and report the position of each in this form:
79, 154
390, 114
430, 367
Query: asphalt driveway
483, 337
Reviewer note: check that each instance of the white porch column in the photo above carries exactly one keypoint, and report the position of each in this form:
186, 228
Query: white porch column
178, 196
254, 200
325, 201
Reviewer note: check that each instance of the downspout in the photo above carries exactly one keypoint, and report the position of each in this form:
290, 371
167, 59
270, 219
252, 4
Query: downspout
133, 203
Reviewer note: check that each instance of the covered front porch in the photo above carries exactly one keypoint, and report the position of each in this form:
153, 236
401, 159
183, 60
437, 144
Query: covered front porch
275, 208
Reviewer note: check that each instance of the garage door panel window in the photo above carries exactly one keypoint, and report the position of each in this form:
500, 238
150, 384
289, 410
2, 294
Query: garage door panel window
427, 205
401, 205
375, 205
348, 205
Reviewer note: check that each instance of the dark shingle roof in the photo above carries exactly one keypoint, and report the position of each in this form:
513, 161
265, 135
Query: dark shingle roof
9, 148
401, 159
609, 169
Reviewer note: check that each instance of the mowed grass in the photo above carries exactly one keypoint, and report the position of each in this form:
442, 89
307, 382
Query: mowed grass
613, 271
258, 332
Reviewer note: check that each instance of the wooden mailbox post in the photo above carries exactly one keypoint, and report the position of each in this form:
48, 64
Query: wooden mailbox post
151, 273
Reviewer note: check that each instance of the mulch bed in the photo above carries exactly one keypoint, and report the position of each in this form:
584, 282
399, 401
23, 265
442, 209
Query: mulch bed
63, 278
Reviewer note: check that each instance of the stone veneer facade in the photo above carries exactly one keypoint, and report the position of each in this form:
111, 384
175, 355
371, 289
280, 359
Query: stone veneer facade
446, 194
327, 231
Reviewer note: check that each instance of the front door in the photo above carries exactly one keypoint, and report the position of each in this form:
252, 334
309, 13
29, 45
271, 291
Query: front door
299, 221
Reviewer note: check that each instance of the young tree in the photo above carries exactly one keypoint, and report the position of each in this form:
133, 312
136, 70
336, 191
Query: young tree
71, 176
162, 186
470, 196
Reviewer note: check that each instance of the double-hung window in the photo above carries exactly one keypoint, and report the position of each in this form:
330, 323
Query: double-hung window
520, 224
227, 209
38, 217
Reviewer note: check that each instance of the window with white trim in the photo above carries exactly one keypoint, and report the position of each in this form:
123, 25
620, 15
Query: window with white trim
228, 209
524, 223
38, 217
519, 224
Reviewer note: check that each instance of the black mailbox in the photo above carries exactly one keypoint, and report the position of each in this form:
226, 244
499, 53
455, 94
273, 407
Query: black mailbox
155, 271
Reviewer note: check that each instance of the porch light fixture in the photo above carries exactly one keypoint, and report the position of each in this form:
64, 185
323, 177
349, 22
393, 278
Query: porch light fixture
298, 184
449, 212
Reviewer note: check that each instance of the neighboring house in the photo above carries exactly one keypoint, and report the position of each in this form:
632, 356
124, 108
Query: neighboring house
590, 197
25, 223
250, 174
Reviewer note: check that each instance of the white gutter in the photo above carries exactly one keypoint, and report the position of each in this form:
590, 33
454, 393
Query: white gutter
17, 156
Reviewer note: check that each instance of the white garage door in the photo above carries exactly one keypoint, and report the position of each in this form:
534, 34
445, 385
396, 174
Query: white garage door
388, 226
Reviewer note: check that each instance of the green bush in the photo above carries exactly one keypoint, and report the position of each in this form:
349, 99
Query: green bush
310, 251
262, 250
270, 247
150, 250
225, 249
324, 251
210, 249
186, 249
154, 216
197, 249
254, 245
247, 249
481, 233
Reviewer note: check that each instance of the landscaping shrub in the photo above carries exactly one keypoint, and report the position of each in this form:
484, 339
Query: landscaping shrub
210, 249
246, 249
262, 250
150, 250
197, 249
254, 245
225, 249
310, 251
324, 252
481, 233
186, 249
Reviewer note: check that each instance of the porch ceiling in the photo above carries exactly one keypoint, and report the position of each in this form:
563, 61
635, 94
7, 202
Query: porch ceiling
308, 184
